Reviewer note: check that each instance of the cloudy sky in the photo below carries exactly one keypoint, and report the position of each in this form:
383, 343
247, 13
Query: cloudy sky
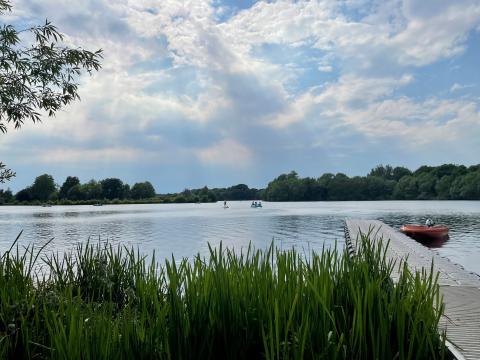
216, 93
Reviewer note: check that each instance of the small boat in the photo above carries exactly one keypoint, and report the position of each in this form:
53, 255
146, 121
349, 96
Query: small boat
432, 232
98, 204
256, 205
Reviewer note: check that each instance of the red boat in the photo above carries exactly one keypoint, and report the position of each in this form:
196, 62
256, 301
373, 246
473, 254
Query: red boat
435, 231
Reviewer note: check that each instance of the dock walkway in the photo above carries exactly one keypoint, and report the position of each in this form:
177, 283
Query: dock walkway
460, 288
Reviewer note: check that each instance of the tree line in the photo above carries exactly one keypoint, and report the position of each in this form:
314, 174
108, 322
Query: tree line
113, 190
445, 182
44, 190
232, 193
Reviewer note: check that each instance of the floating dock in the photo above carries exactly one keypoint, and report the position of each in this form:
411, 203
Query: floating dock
460, 289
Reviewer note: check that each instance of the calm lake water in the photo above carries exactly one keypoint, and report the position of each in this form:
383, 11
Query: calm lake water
186, 229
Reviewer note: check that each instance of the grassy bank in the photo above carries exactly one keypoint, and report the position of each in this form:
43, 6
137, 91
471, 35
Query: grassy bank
101, 302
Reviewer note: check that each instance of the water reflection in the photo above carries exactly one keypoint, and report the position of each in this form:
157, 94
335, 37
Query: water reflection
185, 229
43, 215
433, 243
69, 214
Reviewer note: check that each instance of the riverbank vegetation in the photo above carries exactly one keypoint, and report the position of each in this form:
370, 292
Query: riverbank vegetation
110, 190
115, 191
445, 182
100, 302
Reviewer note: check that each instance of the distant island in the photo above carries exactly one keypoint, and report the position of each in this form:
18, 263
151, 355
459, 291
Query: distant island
445, 182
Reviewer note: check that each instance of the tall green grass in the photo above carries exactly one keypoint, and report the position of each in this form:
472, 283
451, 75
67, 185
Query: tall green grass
104, 302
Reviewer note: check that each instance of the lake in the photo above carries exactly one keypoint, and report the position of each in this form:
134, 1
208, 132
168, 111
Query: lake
186, 229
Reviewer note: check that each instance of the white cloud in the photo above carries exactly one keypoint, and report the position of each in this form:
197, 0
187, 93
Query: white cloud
394, 31
231, 86
366, 106
457, 87
225, 152
325, 68
348, 91
295, 112
104, 155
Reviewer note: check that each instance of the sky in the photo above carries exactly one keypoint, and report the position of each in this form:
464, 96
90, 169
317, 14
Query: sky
217, 93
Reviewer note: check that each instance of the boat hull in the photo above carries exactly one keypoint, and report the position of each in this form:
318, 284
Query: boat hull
432, 232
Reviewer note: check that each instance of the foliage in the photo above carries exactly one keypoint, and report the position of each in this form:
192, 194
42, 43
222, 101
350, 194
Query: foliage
112, 188
236, 192
43, 187
382, 183
6, 196
142, 190
5, 174
23, 195
390, 173
445, 182
102, 302
37, 77
406, 188
73, 191
66, 188
92, 190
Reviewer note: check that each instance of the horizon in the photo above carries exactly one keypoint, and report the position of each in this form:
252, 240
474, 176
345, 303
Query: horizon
225, 93
260, 187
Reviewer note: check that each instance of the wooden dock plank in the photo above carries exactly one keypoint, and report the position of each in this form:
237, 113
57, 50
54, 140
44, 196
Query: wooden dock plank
460, 289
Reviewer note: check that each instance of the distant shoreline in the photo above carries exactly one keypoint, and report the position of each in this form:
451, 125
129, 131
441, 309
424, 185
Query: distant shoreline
160, 202
444, 182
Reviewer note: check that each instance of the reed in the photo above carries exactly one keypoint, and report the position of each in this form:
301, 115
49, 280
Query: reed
105, 302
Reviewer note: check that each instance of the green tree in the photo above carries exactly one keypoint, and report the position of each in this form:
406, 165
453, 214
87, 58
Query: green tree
24, 195
76, 192
442, 187
126, 192
93, 190
314, 191
286, 187
324, 182
239, 192
445, 170
69, 183
385, 172
426, 186
377, 188
143, 190
466, 187
35, 77
423, 170
406, 188
43, 187
6, 196
399, 172
340, 188
112, 188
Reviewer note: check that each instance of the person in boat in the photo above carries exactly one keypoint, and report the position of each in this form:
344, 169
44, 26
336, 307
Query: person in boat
253, 204
224, 203
429, 222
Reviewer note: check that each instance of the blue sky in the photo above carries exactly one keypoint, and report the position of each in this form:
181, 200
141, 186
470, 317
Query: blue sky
216, 93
